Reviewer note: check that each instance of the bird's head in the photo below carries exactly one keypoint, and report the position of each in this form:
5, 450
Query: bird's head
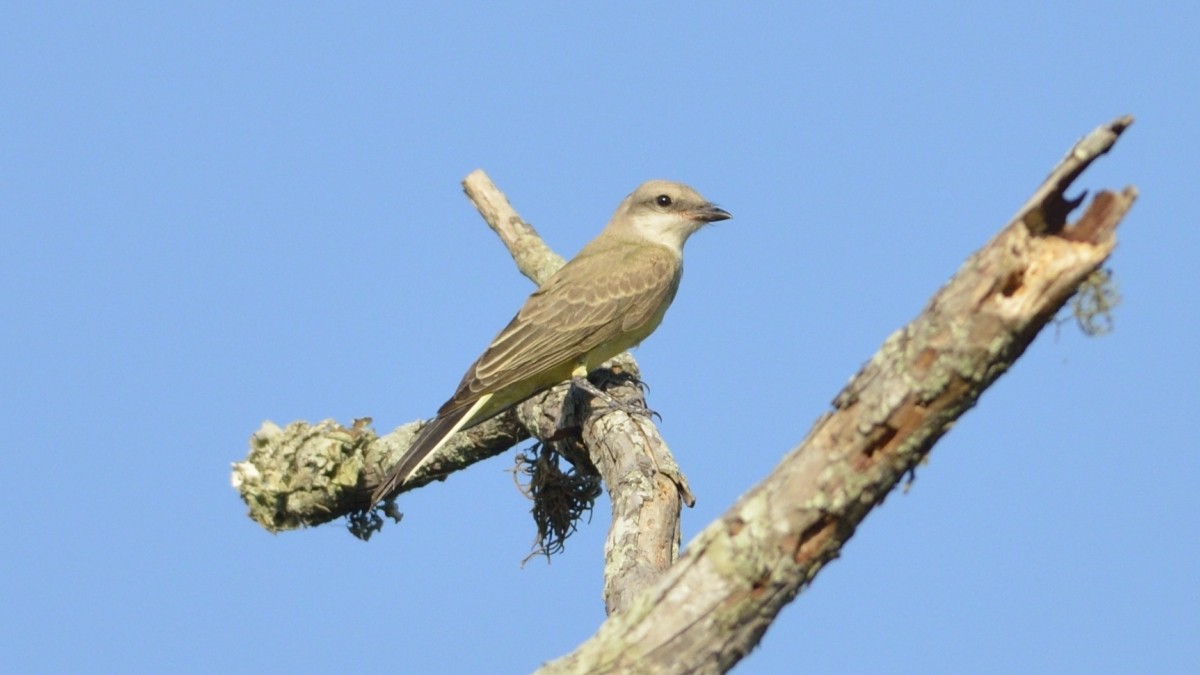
666, 213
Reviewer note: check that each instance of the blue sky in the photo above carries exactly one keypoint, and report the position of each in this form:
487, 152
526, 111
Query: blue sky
215, 214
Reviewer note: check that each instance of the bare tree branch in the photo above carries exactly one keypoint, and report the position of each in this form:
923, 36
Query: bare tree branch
533, 257
713, 606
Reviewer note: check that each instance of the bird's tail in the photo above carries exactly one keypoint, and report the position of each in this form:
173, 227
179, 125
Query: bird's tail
429, 440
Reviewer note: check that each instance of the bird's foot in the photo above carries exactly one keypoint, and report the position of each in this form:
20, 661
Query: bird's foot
585, 385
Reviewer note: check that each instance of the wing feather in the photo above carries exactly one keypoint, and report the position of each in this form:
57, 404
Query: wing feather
593, 300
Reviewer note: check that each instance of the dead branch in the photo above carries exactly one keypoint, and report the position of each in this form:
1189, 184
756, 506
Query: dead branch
713, 606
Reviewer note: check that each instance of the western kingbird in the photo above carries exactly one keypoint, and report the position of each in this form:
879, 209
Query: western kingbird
608, 298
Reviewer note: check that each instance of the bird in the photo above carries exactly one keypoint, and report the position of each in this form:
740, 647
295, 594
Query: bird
605, 300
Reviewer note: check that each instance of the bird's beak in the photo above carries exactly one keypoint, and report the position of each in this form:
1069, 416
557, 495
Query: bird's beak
710, 213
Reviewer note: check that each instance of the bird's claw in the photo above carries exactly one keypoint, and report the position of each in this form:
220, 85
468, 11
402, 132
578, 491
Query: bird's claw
585, 385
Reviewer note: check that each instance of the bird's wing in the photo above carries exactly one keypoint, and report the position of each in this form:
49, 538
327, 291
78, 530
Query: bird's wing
591, 301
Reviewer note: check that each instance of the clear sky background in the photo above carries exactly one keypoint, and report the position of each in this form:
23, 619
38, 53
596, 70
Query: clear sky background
216, 214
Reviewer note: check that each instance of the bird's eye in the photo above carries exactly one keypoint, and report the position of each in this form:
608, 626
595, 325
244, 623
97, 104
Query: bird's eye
662, 200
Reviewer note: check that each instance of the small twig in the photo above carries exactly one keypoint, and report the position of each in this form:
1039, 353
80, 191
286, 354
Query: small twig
533, 257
